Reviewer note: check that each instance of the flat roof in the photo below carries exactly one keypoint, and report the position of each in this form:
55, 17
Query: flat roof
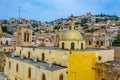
57, 48
40, 64
2, 76
115, 62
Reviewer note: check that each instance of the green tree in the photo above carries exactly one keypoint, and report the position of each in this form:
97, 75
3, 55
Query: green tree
92, 30
117, 40
116, 18
56, 27
34, 25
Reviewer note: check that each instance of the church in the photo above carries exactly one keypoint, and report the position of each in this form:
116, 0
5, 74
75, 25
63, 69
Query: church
70, 60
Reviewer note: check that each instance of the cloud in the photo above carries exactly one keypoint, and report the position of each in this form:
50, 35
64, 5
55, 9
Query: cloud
47, 10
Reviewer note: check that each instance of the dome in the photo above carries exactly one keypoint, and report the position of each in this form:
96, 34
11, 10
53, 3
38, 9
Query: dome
72, 35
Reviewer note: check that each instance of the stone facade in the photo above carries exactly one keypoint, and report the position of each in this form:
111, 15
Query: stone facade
98, 39
24, 35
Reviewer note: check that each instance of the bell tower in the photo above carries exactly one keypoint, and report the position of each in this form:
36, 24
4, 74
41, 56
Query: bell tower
24, 35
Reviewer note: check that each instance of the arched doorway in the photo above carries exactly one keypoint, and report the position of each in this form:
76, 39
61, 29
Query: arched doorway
61, 77
29, 73
63, 45
43, 57
72, 46
81, 45
43, 77
118, 77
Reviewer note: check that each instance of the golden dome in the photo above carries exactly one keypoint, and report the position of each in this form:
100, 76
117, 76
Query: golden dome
72, 35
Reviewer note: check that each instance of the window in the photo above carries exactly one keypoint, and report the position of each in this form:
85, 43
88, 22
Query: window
29, 73
20, 52
24, 37
4, 49
29, 54
81, 45
1, 43
17, 68
27, 37
63, 45
97, 43
43, 77
89, 42
10, 64
101, 42
61, 77
72, 46
99, 58
43, 57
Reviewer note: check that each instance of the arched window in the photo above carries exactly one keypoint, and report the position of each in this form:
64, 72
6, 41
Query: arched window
29, 54
43, 77
10, 64
24, 37
17, 68
29, 73
61, 77
89, 42
81, 45
27, 37
97, 42
72, 46
43, 57
63, 45
20, 52
101, 42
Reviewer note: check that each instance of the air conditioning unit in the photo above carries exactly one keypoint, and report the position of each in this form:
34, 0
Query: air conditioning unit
49, 64
13, 55
21, 57
34, 59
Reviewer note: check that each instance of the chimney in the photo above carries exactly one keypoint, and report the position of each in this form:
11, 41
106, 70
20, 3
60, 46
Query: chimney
13, 55
49, 64
34, 59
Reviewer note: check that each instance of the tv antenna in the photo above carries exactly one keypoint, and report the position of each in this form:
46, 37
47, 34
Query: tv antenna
19, 11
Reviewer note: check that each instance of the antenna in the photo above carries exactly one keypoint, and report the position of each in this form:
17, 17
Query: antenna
19, 11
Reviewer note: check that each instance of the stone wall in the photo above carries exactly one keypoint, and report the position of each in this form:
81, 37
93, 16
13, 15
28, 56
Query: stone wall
117, 51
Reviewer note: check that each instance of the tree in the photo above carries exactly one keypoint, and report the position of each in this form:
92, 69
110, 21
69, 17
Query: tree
117, 40
92, 30
56, 27
34, 25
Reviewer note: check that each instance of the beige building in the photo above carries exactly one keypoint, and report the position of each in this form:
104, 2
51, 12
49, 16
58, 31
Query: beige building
24, 35
55, 63
99, 39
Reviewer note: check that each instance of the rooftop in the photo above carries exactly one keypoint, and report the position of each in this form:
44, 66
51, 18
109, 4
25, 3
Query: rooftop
57, 48
40, 64
2, 76
116, 62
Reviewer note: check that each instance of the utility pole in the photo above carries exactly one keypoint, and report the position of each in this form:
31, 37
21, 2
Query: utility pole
19, 20
19, 11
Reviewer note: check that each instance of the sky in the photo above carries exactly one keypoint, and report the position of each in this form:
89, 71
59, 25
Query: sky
49, 10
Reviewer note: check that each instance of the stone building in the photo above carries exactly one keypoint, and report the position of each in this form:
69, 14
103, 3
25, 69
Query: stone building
24, 35
99, 39
70, 61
